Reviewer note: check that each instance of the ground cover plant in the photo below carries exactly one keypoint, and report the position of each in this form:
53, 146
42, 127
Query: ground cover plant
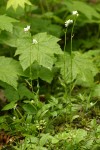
49, 75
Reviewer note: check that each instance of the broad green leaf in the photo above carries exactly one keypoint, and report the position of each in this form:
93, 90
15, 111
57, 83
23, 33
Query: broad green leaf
6, 23
9, 71
39, 72
82, 7
83, 70
29, 108
16, 3
11, 94
24, 92
95, 56
14, 95
42, 52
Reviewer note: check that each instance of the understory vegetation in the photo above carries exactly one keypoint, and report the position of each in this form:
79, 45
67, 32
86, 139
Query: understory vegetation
49, 74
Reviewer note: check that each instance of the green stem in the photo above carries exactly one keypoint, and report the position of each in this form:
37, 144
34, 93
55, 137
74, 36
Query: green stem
47, 5
19, 113
71, 50
42, 8
65, 57
31, 71
38, 60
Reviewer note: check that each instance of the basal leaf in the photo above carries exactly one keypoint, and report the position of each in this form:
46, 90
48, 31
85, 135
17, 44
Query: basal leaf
83, 70
16, 3
9, 71
6, 23
42, 52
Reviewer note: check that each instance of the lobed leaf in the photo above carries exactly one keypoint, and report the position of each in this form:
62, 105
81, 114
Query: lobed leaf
6, 23
42, 52
83, 74
16, 3
9, 71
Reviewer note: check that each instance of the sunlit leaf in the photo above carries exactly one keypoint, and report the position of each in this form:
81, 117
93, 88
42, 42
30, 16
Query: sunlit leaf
16, 3
42, 52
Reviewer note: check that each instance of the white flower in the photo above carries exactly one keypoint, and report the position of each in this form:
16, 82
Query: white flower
75, 13
68, 22
27, 28
14, 118
32, 101
35, 41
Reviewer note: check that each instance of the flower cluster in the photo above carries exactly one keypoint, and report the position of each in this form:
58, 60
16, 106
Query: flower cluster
68, 22
40, 125
75, 13
27, 28
35, 41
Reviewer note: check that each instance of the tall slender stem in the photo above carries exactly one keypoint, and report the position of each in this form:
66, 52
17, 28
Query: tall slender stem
71, 50
65, 56
42, 7
38, 59
71, 65
31, 71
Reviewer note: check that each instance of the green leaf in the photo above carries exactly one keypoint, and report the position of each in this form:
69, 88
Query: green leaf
96, 91
95, 56
82, 7
16, 3
25, 92
39, 72
42, 52
6, 23
2, 119
9, 71
29, 108
11, 94
79, 135
83, 70
9, 106
44, 139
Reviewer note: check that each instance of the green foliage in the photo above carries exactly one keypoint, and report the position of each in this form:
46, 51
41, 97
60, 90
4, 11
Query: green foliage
81, 6
49, 75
